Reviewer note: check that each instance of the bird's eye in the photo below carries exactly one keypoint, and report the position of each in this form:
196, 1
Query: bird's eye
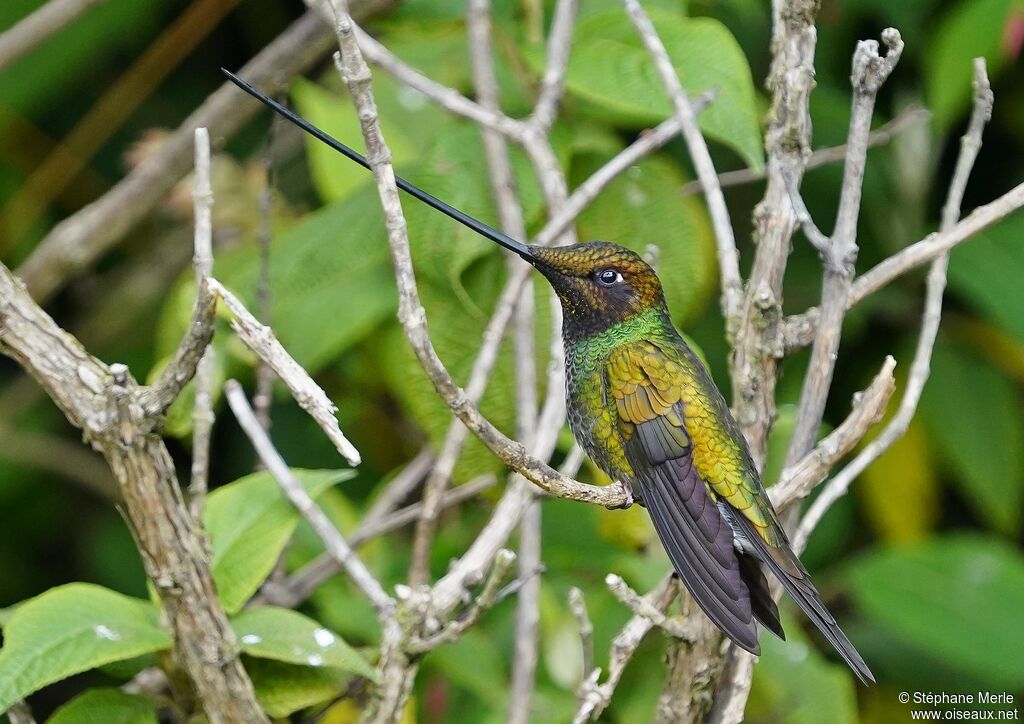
609, 277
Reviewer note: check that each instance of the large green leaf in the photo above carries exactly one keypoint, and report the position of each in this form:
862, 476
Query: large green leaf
268, 632
973, 28
332, 266
793, 683
249, 521
457, 320
70, 629
285, 688
611, 69
644, 207
973, 413
103, 706
987, 272
957, 599
335, 176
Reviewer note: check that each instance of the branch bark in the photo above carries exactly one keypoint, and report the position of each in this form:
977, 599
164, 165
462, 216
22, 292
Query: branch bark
106, 404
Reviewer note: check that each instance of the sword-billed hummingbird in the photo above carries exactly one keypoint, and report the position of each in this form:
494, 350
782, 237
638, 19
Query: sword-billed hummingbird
644, 408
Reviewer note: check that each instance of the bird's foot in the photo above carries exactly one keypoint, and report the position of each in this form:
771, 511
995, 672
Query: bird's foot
627, 490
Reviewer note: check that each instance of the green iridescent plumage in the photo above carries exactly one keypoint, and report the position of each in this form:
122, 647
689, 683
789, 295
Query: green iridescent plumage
644, 408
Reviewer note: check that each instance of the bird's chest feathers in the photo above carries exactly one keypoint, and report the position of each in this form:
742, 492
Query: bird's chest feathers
591, 413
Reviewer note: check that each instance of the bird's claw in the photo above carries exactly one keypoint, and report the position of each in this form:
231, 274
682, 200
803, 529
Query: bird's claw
627, 491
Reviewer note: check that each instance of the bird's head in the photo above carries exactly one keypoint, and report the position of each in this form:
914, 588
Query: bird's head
599, 283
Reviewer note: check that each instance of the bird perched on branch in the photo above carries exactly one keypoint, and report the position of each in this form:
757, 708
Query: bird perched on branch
644, 408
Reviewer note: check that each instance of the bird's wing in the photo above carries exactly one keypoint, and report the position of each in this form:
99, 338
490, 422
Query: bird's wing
698, 539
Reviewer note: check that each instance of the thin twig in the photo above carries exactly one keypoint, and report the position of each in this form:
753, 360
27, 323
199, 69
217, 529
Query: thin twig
297, 587
641, 606
32, 30
336, 545
401, 486
310, 396
801, 327
728, 257
202, 262
578, 606
970, 145
263, 397
594, 697
19, 713
882, 135
510, 215
870, 71
552, 84
797, 481
503, 563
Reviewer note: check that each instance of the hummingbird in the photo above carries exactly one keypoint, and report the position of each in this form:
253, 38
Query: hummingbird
643, 406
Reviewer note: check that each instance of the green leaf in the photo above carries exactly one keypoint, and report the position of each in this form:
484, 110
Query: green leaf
284, 635
285, 688
333, 265
335, 176
102, 706
643, 207
70, 629
974, 28
249, 521
793, 683
611, 69
973, 414
987, 271
957, 599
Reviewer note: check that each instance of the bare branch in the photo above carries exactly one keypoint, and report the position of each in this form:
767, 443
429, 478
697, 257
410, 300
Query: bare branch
756, 349
510, 215
594, 697
797, 481
801, 327
401, 486
578, 606
907, 118
311, 398
870, 71
300, 585
52, 17
336, 545
641, 606
818, 239
920, 367
503, 564
105, 403
20, 713
410, 310
202, 262
552, 85
728, 258
448, 98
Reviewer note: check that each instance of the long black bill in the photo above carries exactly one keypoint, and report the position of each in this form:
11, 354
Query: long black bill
478, 226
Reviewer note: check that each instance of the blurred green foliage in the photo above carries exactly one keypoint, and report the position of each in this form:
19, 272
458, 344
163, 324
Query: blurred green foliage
922, 561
